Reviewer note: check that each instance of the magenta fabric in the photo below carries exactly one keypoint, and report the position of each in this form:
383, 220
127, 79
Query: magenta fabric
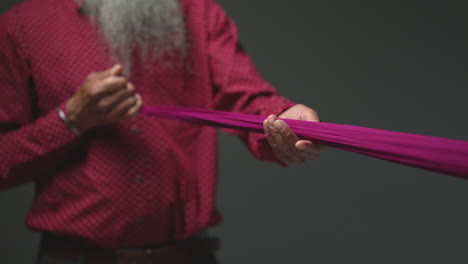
436, 154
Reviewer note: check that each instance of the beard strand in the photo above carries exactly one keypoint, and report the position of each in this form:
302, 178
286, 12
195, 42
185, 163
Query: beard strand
139, 32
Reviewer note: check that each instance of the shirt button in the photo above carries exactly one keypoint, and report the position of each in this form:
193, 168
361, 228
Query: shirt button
140, 179
134, 130
141, 220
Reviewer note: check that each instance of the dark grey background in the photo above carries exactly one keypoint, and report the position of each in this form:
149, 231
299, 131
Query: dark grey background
397, 65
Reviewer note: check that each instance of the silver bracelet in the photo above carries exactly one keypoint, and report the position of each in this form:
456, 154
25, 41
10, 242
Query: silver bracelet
65, 120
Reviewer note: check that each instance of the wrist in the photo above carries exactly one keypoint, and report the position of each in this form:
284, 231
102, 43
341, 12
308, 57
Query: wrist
73, 114
63, 116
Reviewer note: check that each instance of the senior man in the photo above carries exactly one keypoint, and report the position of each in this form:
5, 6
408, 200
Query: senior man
114, 186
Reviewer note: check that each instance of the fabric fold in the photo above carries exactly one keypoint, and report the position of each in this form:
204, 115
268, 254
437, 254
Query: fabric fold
448, 156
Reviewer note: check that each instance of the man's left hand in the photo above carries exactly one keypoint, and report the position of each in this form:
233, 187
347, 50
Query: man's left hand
285, 143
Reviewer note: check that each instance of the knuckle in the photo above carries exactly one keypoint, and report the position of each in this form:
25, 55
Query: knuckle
92, 75
130, 95
313, 113
131, 101
130, 91
95, 90
121, 95
110, 80
133, 112
119, 80
102, 105
114, 82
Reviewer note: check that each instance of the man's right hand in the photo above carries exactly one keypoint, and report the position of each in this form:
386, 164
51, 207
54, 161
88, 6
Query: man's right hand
104, 98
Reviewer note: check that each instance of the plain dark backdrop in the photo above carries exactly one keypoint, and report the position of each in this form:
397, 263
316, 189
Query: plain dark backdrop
396, 65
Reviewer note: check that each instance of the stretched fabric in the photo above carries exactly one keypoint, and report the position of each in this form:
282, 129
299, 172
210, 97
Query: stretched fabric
436, 154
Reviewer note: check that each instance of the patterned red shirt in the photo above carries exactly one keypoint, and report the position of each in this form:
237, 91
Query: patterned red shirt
143, 181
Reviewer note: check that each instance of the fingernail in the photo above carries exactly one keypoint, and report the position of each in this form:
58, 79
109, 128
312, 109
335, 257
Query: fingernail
116, 69
301, 146
279, 126
271, 121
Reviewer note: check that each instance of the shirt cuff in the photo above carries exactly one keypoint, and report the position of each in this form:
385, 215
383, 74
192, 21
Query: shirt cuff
51, 132
273, 105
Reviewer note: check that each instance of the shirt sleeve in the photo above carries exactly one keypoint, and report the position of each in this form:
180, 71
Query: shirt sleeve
238, 87
30, 142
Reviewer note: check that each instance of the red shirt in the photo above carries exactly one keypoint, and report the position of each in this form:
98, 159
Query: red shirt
143, 181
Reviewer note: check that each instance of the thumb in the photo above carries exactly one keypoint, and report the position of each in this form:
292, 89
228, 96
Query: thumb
116, 70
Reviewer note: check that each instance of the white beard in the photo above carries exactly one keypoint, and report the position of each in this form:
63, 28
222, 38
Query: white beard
140, 30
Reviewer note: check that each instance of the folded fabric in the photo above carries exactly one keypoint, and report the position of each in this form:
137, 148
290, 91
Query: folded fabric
436, 154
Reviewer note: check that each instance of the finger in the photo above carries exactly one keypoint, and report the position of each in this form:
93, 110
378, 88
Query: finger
309, 146
135, 110
108, 86
289, 136
306, 150
116, 70
312, 150
281, 150
268, 127
285, 136
109, 102
300, 150
303, 144
270, 121
118, 113
269, 134
285, 150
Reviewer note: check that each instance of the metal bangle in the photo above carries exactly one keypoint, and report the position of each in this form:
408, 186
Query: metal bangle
65, 120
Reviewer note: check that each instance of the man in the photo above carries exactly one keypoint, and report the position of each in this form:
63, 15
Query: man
113, 185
